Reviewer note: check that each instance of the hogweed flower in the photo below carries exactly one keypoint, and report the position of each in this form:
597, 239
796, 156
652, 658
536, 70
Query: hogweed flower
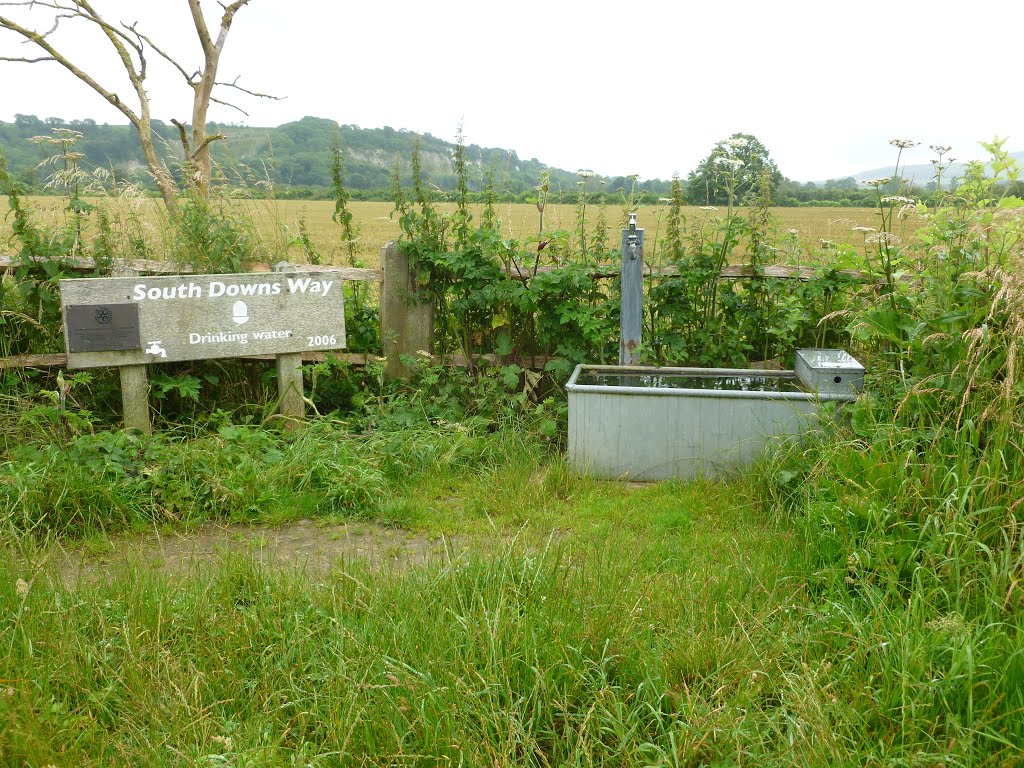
952, 623
880, 182
708, 208
904, 143
884, 238
865, 230
584, 174
939, 149
898, 199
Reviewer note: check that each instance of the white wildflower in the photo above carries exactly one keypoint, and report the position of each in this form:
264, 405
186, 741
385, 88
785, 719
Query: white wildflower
21, 588
953, 623
584, 174
898, 199
884, 238
737, 142
863, 229
877, 182
904, 143
708, 208
793, 232
732, 162
940, 149
223, 741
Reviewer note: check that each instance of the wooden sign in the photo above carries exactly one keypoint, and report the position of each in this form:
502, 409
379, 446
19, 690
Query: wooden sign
139, 320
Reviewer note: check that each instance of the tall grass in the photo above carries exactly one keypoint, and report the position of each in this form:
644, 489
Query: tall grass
910, 506
572, 653
669, 625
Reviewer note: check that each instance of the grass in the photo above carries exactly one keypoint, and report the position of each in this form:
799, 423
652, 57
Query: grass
277, 222
591, 623
537, 650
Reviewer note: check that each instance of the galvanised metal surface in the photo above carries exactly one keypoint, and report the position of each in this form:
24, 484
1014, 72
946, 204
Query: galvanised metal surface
632, 292
651, 431
829, 371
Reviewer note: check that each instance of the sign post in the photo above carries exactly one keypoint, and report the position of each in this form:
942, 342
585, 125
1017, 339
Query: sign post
132, 322
291, 403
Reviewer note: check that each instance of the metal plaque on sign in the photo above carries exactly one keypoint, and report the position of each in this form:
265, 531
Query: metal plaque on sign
102, 327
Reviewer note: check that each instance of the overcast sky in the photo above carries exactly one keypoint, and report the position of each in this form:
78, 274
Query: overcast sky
640, 87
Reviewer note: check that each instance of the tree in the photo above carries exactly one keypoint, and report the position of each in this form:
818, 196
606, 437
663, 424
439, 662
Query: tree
731, 172
132, 48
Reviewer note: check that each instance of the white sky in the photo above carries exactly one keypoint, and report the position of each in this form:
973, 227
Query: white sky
646, 86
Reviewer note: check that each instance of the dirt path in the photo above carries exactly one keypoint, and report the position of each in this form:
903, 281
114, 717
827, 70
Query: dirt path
302, 544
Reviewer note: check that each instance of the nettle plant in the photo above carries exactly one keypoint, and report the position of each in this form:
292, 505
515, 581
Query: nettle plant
552, 295
489, 291
696, 317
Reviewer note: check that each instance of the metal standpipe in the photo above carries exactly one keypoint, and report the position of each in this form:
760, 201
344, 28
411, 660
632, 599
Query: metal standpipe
631, 312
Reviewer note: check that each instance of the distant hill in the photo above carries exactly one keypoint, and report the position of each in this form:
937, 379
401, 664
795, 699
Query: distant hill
921, 174
296, 157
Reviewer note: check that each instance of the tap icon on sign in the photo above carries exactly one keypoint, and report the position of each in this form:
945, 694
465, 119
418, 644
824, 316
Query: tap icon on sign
154, 348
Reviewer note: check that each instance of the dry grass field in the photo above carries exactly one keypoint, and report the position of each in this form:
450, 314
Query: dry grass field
278, 222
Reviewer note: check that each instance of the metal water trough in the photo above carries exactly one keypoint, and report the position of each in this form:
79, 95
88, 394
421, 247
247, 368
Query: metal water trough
646, 423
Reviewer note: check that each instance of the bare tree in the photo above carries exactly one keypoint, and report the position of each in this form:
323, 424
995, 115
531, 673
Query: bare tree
132, 48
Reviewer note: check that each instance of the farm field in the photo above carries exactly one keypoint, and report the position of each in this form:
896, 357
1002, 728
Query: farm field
278, 223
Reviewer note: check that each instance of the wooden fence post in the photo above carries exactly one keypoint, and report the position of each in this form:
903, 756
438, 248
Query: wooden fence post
134, 381
291, 400
406, 326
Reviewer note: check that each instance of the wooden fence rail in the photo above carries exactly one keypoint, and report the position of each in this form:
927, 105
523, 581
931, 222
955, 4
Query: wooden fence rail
59, 359
149, 266
730, 272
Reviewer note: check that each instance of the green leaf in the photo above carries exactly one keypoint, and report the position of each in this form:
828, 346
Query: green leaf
503, 344
510, 376
229, 432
